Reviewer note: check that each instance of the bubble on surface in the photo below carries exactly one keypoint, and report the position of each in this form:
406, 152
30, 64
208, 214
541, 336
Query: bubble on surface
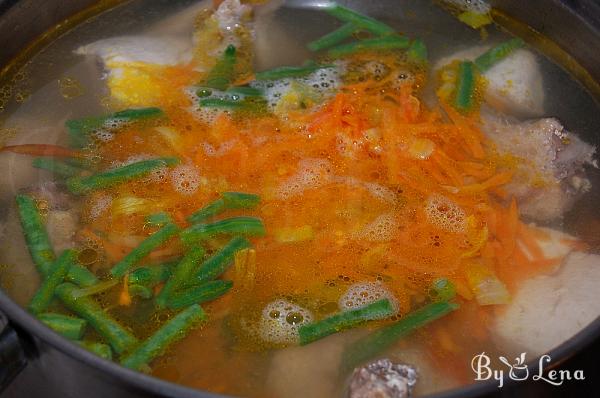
280, 320
312, 173
185, 179
445, 214
100, 205
381, 229
362, 294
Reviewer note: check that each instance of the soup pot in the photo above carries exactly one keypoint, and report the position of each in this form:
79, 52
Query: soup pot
574, 25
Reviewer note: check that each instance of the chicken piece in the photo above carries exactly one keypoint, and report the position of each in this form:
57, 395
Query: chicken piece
549, 309
382, 379
61, 226
514, 85
318, 363
550, 174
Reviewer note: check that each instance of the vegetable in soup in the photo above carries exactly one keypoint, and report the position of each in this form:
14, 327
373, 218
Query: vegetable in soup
249, 226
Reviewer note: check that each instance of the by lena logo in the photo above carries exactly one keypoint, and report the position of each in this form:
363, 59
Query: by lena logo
519, 371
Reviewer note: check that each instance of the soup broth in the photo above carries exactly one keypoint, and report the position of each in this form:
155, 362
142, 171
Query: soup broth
358, 178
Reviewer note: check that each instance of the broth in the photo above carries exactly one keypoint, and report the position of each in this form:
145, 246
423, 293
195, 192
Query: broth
341, 209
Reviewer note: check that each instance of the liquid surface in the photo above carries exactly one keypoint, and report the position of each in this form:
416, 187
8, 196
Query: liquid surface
348, 220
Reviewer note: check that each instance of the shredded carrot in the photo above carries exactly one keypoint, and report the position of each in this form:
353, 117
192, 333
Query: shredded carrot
124, 296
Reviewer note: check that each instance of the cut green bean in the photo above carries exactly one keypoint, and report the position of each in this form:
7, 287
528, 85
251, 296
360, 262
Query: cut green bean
144, 248
159, 219
375, 343
207, 291
67, 326
39, 246
378, 44
119, 175
212, 209
181, 274
367, 23
443, 289
55, 166
245, 90
221, 76
36, 236
465, 87
95, 289
79, 129
221, 103
100, 349
240, 200
140, 291
81, 276
496, 54
417, 52
119, 338
174, 329
58, 270
218, 263
152, 275
247, 226
228, 200
331, 39
380, 309
284, 72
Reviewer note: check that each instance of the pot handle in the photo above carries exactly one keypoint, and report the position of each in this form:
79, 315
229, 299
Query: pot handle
12, 354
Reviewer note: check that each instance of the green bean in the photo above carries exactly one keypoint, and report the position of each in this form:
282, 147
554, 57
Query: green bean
290, 71
140, 291
174, 329
181, 274
144, 248
248, 226
159, 219
218, 263
229, 200
116, 335
95, 289
245, 90
333, 38
443, 289
221, 76
380, 340
119, 175
496, 54
347, 15
100, 349
55, 276
36, 236
79, 129
221, 103
55, 166
417, 52
345, 320
199, 294
377, 44
212, 209
67, 326
465, 86
39, 246
81, 276
152, 275
240, 200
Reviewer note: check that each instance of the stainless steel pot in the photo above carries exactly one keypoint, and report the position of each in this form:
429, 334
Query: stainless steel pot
574, 25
